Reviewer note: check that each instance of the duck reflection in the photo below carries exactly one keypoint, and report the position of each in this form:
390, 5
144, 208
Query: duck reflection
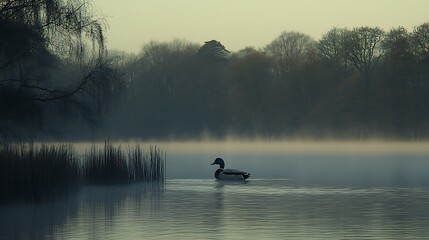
222, 184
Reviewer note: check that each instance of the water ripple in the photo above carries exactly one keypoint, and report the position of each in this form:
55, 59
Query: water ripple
209, 209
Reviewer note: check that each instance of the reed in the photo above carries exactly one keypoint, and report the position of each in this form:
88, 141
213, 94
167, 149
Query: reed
113, 164
34, 173
31, 172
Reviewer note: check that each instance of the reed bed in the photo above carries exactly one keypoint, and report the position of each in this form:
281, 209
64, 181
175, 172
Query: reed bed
33, 172
113, 164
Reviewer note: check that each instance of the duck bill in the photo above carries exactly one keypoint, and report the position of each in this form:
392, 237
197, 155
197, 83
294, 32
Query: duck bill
213, 164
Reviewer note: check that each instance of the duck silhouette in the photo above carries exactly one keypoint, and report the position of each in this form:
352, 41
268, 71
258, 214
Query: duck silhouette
228, 174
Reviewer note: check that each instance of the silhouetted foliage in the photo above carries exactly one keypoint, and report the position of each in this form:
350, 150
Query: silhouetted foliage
352, 83
53, 64
249, 85
213, 51
111, 164
36, 173
359, 83
30, 172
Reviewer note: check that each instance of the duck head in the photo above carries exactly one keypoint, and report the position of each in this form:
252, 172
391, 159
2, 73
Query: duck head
220, 162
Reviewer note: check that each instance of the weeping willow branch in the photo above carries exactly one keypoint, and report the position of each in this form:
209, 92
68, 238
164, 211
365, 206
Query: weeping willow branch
60, 29
43, 94
66, 25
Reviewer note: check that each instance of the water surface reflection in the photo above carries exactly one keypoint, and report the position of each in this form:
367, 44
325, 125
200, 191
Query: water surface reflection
208, 209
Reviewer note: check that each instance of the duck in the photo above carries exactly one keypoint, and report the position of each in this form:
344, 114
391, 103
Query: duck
228, 174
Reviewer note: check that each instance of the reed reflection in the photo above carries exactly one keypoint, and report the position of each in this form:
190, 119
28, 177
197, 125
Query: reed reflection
93, 210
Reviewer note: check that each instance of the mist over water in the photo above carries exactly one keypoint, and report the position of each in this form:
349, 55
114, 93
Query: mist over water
333, 162
310, 162
61, 81
298, 190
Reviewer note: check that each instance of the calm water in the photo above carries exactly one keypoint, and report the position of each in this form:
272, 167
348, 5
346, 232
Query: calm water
292, 195
206, 209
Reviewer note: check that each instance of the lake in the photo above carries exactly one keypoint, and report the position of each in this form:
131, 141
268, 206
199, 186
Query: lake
297, 191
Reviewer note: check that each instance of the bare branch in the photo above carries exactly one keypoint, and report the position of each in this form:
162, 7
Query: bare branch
52, 95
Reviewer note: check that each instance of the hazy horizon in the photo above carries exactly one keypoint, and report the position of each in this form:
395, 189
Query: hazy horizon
112, 113
238, 24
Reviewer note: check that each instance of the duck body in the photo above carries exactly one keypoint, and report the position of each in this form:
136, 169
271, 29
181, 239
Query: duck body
231, 174
228, 174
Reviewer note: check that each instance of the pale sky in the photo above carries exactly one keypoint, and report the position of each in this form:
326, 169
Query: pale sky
240, 23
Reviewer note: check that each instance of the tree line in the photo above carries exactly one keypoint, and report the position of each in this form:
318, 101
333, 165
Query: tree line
355, 83
57, 78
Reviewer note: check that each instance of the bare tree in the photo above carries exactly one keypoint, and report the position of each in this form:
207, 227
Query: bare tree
362, 48
420, 83
290, 50
421, 38
332, 46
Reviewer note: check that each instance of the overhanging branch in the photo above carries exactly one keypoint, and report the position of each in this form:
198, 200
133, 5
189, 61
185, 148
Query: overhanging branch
46, 94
